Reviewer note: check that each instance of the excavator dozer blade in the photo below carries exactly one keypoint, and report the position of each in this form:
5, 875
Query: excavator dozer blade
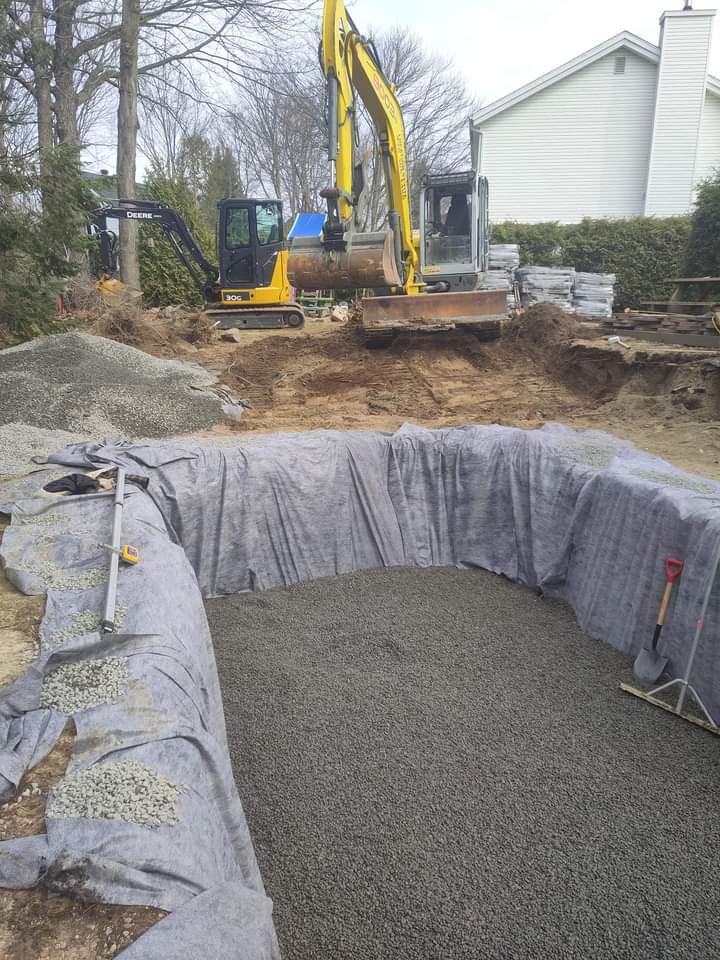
480, 310
368, 261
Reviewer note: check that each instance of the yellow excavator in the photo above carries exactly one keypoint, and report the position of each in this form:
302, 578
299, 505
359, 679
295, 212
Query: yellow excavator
248, 288
430, 282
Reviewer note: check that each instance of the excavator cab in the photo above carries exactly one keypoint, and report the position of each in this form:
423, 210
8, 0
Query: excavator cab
249, 241
252, 256
454, 230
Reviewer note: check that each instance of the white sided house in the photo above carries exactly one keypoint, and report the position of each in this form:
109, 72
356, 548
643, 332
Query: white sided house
624, 130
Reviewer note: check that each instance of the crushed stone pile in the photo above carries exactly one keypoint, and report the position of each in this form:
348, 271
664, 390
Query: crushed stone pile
547, 285
79, 686
71, 387
594, 295
40, 563
125, 790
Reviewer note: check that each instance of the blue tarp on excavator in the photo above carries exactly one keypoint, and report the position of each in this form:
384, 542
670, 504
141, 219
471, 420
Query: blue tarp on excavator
307, 225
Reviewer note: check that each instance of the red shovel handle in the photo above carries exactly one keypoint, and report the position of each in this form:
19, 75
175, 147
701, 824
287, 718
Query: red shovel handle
673, 569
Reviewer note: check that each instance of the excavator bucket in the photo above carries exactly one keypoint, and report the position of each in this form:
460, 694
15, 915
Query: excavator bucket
114, 292
368, 261
480, 310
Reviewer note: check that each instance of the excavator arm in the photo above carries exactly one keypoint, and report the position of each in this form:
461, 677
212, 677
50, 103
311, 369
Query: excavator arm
345, 256
388, 261
204, 274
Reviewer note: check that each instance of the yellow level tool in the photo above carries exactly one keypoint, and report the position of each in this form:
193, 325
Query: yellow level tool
126, 553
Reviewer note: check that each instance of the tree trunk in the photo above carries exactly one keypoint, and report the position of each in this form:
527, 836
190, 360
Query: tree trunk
127, 137
66, 104
4, 87
41, 76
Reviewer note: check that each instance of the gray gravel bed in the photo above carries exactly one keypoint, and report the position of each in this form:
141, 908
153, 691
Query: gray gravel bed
73, 687
439, 764
124, 790
20, 442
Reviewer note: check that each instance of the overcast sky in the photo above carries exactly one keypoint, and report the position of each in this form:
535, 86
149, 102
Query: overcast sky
501, 44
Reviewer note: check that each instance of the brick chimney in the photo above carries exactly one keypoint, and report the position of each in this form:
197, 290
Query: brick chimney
685, 37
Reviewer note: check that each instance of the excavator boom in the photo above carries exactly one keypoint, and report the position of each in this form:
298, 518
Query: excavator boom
388, 260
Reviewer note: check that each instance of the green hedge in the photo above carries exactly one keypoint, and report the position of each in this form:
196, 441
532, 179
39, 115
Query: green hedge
642, 252
703, 253
164, 279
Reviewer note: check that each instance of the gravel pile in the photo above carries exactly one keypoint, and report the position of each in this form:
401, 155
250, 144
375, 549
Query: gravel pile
676, 480
20, 442
81, 623
50, 574
78, 686
57, 521
126, 790
597, 455
438, 763
63, 389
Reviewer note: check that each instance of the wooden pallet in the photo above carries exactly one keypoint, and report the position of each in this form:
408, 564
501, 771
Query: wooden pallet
681, 328
673, 339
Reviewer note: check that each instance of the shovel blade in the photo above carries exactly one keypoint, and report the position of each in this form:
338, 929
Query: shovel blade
649, 666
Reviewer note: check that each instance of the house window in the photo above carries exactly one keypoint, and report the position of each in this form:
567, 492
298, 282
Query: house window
619, 67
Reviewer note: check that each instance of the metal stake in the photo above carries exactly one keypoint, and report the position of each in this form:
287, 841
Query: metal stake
107, 624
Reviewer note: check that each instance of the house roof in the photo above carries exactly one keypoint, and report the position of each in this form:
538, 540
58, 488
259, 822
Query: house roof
621, 41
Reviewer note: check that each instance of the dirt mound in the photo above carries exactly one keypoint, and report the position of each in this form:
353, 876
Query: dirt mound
543, 325
326, 377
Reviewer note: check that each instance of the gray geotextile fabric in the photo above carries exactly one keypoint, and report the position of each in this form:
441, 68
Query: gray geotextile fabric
169, 719
580, 514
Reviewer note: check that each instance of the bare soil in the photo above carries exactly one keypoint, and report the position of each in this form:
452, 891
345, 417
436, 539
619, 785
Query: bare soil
664, 399
20, 618
38, 925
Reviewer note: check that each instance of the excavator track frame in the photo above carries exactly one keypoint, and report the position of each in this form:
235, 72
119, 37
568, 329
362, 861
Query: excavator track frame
257, 318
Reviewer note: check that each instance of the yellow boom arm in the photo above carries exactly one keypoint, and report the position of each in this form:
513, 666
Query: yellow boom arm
351, 67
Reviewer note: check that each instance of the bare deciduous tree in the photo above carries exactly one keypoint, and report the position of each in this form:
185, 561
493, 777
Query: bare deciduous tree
282, 133
436, 106
173, 108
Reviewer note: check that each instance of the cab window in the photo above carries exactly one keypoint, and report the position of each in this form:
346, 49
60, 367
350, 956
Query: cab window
237, 228
268, 220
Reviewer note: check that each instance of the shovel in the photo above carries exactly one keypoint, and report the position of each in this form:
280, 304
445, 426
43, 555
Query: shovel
649, 664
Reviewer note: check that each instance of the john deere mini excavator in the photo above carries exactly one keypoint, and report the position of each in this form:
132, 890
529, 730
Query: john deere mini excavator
250, 287
432, 280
